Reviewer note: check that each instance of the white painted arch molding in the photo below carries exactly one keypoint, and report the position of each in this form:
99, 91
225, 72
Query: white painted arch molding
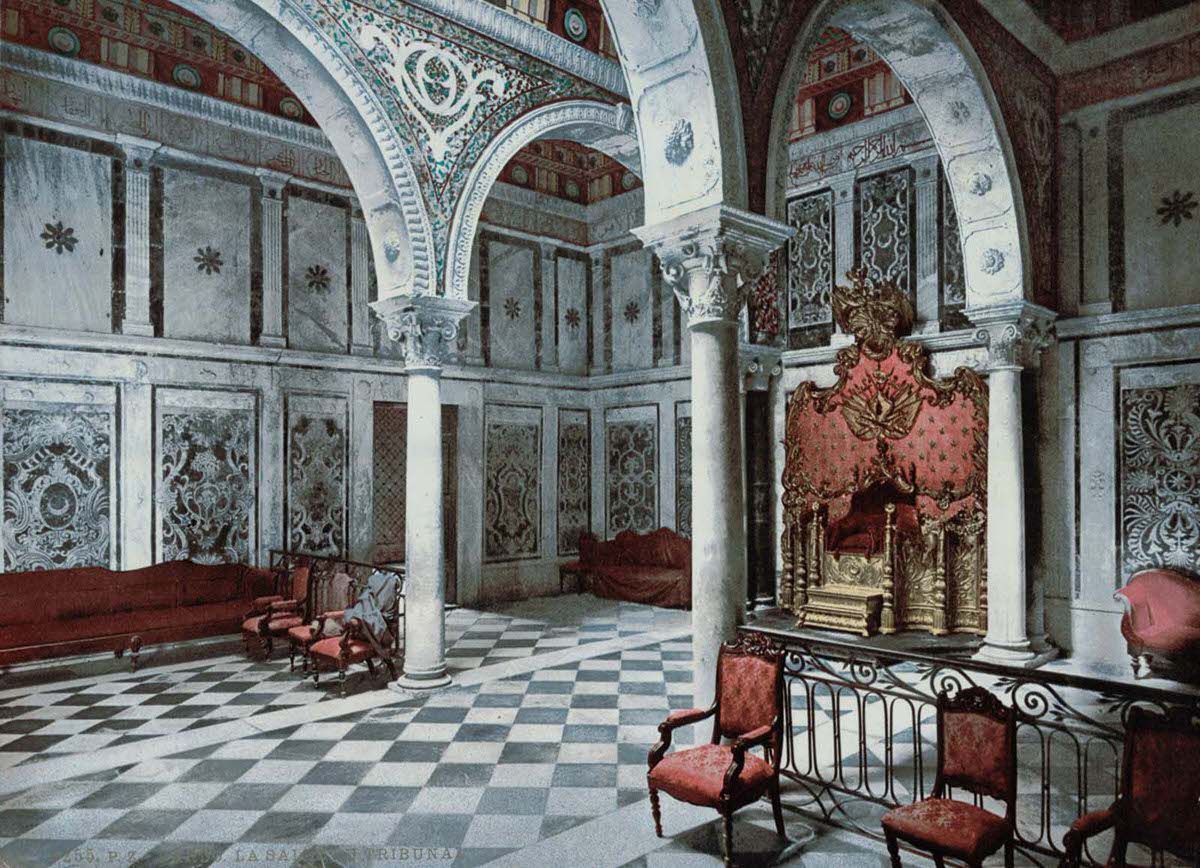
291, 44
684, 90
607, 128
936, 63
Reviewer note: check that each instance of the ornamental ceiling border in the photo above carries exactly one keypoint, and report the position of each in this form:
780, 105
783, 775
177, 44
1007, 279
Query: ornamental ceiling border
447, 89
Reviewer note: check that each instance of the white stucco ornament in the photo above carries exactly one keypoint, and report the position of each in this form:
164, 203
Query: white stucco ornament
680, 142
980, 184
993, 260
646, 8
440, 88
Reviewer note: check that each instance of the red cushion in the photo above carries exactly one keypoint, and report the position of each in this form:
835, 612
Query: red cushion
975, 749
252, 625
120, 624
302, 634
696, 775
330, 648
655, 586
952, 827
280, 625
1164, 785
749, 695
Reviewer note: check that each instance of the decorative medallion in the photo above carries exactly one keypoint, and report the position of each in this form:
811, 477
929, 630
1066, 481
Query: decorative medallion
186, 76
960, 112
520, 175
572, 189
290, 107
839, 105
57, 238
628, 181
573, 319
63, 41
1178, 207
993, 261
575, 25
208, 260
646, 8
317, 277
980, 184
632, 312
512, 307
680, 142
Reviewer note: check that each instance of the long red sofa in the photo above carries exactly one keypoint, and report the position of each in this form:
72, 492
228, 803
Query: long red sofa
56, 613
653, 568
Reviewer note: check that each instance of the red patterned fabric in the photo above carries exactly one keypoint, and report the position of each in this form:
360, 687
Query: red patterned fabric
697, 776
1162, 611
685, 715
1164, 785
749, 693
653, 568
975, 751
331, 649
952, 827
280, 625
298, 579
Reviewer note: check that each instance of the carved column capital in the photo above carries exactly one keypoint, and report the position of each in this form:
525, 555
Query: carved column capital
426, 325
760, 365
272, 182
711, 257
138, 152
1014, 333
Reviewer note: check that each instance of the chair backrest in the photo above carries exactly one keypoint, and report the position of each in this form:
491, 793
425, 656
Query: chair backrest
749, 687
1160, 798
977, 745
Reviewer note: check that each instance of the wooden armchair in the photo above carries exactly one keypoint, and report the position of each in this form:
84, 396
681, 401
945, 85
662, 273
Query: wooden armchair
1159, 804
273, 615
370, 630
749, 710
335, 596
977, 752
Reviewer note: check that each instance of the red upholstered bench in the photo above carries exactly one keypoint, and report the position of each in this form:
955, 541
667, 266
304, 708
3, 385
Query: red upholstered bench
653, 568
57, 613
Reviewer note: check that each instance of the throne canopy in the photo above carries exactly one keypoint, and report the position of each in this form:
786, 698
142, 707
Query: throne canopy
886, 420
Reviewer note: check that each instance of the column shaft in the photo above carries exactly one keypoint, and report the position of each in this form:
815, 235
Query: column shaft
718, 514
360, 252
925, 238
425, 591
1006, 638
273, 185
549, 324
137, 249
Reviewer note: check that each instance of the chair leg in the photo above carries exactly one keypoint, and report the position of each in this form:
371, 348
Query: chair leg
316, 674
370, 667
893, 847
1008, 853
938, 860
342, 679
728, 838
268, 645
292, 657
777, 809
656, 812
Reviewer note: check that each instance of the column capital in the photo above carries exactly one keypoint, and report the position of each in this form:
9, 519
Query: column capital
138, 152
427, 326
272, 182
760, 364
1015, 333
710, 257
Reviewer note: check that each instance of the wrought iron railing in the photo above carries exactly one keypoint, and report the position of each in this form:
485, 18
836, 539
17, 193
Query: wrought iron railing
861, 734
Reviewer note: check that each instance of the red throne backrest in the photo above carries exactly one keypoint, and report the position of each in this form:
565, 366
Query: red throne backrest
1162, 778
1157, 598
749, 691
975, 745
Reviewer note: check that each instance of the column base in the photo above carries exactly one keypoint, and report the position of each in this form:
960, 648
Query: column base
1022, 654
423, 680
275, 342
362, 350
141, 329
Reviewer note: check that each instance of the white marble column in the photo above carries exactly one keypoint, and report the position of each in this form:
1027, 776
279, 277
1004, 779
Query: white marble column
427, 327
271, 234
138, 156
710, 257
926, 240
844, 233
1014, 333
598, 364
360, 253
549, 324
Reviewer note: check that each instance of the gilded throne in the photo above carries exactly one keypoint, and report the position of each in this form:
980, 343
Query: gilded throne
885, 483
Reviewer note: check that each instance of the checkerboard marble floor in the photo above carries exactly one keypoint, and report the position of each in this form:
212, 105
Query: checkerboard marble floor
92, 713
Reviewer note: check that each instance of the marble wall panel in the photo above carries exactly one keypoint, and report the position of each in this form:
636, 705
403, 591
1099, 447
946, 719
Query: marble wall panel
512, 482
316, 463
810, 260
632, 310
631, 468
58, 236
317, 308
513, 297
206, 476
59, 476
574, 311
683, 468
1160, 197
574, 479
206, 258
884, 206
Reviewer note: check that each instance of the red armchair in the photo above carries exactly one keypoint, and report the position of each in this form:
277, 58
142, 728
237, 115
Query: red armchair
977, 752
1162, 618
340, 591
366, 631
749, 710
1159, 804
274, 615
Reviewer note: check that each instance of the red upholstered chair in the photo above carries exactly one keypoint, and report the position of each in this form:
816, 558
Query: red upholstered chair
275, 614
1162, 619
749, 710
977, 752
336, 594
1159, 804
